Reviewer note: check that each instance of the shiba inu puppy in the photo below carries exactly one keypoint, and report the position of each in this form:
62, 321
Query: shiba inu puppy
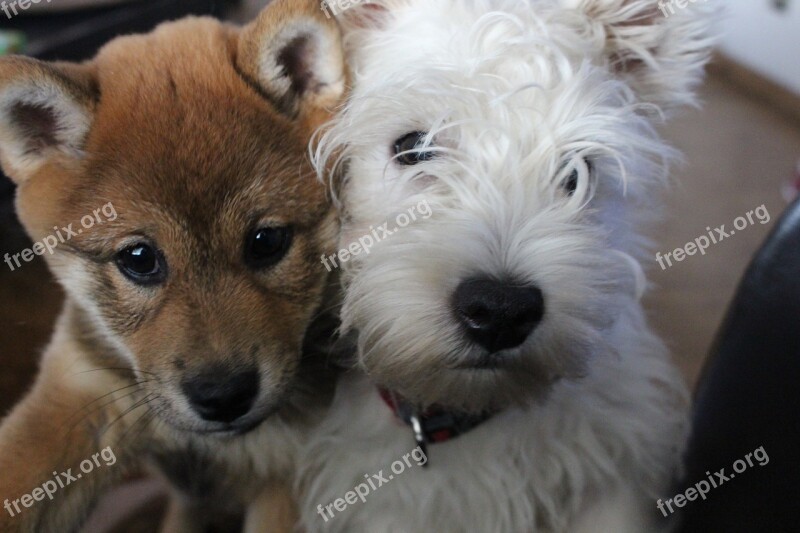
190, 337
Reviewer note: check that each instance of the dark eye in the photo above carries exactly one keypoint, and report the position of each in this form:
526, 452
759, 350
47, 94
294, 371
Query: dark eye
573, 180
267, 246
142, 264
407, 149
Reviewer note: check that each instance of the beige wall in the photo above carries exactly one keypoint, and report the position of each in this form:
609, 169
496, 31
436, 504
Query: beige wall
764, 39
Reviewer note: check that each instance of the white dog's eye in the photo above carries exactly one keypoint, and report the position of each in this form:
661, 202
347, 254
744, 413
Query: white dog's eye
573, 180
408, 149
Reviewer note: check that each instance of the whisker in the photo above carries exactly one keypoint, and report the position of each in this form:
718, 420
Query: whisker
136, 405
122, 368
146, 417
84, 415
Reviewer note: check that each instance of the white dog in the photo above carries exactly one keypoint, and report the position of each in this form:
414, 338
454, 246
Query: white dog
505, 331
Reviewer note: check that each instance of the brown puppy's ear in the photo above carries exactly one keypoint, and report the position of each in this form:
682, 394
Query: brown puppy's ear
46, 111
294, 53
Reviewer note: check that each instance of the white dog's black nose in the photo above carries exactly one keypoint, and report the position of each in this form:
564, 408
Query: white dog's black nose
498, 315
218, 396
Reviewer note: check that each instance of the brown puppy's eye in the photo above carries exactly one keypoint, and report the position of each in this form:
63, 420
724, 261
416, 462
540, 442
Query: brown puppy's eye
407, 149
142, 264
267, 246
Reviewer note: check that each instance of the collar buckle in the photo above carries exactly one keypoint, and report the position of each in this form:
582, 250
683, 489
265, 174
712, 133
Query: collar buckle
419, 435
435, 424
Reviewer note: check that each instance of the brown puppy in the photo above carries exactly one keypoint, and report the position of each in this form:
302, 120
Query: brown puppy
171, 171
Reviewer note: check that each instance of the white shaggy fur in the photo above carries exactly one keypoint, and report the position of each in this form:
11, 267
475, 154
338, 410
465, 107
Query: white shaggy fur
514, 96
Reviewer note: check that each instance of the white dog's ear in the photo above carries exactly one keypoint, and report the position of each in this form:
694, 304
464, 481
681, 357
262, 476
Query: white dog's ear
659, 49
46, 110
294, 53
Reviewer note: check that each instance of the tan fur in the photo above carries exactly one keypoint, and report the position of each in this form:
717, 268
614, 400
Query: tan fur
193, 146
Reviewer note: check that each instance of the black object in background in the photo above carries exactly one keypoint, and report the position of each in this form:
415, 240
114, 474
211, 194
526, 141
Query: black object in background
749, 397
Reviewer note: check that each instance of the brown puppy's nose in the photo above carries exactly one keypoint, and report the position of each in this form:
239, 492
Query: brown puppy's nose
498, 315
219, 396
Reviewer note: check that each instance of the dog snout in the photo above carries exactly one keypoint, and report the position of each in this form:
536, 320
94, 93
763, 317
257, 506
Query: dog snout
220, 396
498, 315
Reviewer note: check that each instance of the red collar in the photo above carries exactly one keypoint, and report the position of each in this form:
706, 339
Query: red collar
434, 424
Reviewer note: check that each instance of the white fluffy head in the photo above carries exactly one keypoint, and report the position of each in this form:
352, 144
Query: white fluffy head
541, 165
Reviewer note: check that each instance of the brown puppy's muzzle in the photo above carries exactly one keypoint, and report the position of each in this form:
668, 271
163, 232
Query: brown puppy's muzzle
220, 394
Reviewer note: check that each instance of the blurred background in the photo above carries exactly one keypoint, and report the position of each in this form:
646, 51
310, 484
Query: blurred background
742, 151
